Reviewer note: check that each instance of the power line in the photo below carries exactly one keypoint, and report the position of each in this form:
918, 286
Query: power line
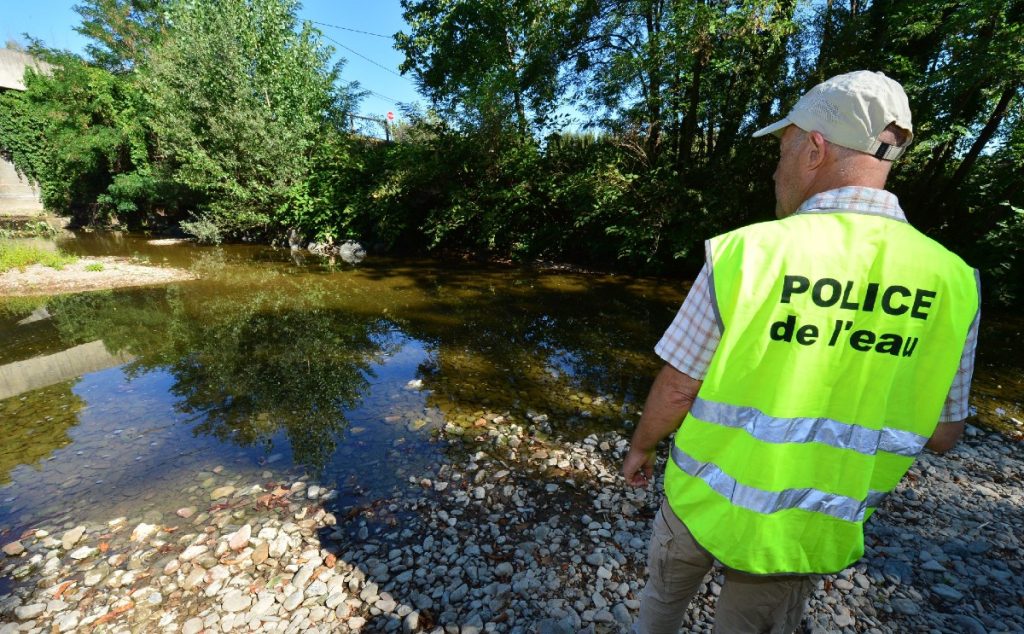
375, 63
372, 92
345, 28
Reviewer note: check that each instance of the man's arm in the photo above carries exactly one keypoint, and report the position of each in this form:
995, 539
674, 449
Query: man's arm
945, 436
667, 403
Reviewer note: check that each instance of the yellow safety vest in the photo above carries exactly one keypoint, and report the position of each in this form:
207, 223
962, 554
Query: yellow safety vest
842, 333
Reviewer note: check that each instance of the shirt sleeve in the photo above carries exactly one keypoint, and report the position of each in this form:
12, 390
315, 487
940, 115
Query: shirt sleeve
956, 406
693, 336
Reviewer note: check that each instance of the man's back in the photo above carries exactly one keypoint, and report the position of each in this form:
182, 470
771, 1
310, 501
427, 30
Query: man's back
837, 351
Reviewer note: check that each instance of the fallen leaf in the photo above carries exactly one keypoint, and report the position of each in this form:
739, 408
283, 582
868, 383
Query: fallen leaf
62, 588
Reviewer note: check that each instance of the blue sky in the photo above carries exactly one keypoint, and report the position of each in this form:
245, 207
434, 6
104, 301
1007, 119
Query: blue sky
53, 22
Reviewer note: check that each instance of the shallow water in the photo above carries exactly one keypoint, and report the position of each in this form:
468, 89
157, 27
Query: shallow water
299, 365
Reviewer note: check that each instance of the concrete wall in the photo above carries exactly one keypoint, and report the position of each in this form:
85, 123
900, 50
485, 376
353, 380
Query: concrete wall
17, 196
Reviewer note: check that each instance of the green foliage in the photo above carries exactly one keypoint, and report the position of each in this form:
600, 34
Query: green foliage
74, 131
228, 115
19, 255
204, 229
95, 267
241, 102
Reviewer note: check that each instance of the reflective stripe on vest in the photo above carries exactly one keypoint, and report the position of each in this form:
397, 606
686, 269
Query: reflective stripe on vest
824, 430
761, 501
841, 334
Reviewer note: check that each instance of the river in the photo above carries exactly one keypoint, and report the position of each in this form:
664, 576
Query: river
341, 372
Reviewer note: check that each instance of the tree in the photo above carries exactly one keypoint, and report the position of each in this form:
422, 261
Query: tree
242, 100
123, 31
492, 63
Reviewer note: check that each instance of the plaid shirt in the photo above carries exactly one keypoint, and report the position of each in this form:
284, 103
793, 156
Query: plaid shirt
692, 338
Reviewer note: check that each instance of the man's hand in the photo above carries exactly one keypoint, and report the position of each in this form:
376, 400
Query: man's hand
638, 467
667, 404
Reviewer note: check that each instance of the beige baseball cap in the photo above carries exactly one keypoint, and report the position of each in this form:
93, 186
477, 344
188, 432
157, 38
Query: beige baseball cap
852, 110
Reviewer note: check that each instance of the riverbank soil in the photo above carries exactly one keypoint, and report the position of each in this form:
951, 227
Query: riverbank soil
87, 274
522, 533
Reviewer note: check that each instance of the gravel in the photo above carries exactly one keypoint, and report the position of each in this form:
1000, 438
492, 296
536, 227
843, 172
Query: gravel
520, 532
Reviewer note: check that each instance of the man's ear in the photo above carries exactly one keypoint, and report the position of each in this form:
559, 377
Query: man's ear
816, 151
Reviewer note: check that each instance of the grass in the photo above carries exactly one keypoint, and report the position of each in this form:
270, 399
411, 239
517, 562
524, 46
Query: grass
15, 255
95, 266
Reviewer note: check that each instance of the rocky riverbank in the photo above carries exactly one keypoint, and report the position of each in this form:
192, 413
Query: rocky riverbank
521, 533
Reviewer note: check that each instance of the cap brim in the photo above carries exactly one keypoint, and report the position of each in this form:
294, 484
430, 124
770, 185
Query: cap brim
775, 128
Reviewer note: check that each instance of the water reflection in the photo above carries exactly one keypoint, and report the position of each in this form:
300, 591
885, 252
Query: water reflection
245, 364
338, 370
42, 427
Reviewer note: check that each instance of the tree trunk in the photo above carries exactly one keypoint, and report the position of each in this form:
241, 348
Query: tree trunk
693, 104
826, 42
983, 138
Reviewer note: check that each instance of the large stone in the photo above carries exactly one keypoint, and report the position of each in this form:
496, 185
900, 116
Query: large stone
261, 553
143, 532
235, 601
83, 552
71, 537
13, 549
28, 612
222, 492
192, 626
192, 552
240, 538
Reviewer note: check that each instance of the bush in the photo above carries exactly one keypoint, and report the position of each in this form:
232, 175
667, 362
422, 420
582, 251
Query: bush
204, 229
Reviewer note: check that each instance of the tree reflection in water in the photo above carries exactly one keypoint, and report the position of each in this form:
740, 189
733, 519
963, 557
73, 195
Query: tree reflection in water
248, 362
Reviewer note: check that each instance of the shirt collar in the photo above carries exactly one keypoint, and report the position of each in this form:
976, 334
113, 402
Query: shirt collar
865, 200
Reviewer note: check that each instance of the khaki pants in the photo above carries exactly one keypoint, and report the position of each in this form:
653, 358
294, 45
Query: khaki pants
676, 565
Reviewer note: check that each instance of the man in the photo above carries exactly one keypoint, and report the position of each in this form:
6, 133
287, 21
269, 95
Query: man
805, 371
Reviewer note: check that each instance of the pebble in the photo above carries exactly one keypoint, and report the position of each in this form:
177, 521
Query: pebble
192, 552
947, 593
261, 553
906, 606
67, 621
293, 601
484, 546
